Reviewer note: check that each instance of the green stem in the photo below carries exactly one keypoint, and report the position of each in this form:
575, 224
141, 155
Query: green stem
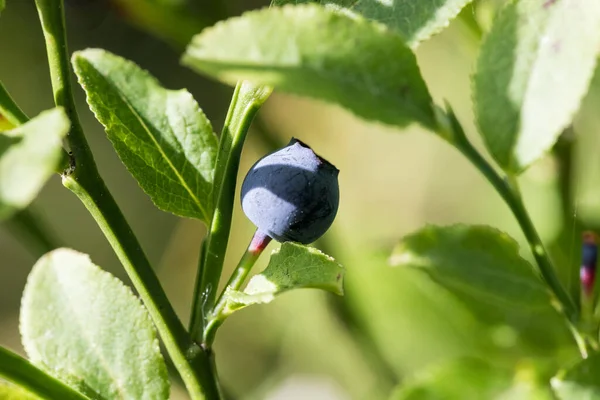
258, 243
29, 227
579, 341
51, 14
563, 246
21, 372
198, 307
508, 189
192, 363
85, 182
245, 103
9, 109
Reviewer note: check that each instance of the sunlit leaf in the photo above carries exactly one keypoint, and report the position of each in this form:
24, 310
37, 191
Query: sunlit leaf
533, 70
416, 21
310, 51
292, 266
580, 381
478, 260
161, 135
85, 327
29, 154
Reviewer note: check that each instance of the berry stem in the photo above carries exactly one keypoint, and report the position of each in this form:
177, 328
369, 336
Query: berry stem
245, 103
257, 245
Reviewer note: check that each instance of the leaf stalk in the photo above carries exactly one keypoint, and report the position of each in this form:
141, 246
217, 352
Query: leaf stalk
508, 188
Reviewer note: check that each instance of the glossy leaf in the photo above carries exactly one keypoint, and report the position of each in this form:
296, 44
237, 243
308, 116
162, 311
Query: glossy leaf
476, 260
469, 379
416, 21
161, 135
310, 51
533, 70
88, 329
29, 155
580, 381
9, 392
292, 266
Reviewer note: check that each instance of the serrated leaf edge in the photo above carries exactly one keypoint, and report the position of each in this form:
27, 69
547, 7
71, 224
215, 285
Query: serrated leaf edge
420, 117
79, 56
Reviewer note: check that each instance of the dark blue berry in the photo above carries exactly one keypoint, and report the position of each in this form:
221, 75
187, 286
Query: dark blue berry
292, 194
589, 255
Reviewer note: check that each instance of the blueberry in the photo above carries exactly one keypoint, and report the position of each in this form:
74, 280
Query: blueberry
292, 194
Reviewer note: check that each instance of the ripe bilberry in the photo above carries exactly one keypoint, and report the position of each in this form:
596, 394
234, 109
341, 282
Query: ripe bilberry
292, 194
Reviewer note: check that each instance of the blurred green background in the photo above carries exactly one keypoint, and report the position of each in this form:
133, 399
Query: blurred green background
392, 324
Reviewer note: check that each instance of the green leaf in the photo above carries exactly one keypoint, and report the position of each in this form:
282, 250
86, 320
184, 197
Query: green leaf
533, 70
481, 268
161, 135
2, 5
477, 260
310, 51
416, 21
580, 381
88, 329
29, 154
292, 266
469, 379
9, 392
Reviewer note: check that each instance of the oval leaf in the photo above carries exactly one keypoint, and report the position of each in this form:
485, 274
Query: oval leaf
580, 381
88, 329
161, 136
29, 154
533, 70
292, 266
310, 51
477, 260
416, 21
